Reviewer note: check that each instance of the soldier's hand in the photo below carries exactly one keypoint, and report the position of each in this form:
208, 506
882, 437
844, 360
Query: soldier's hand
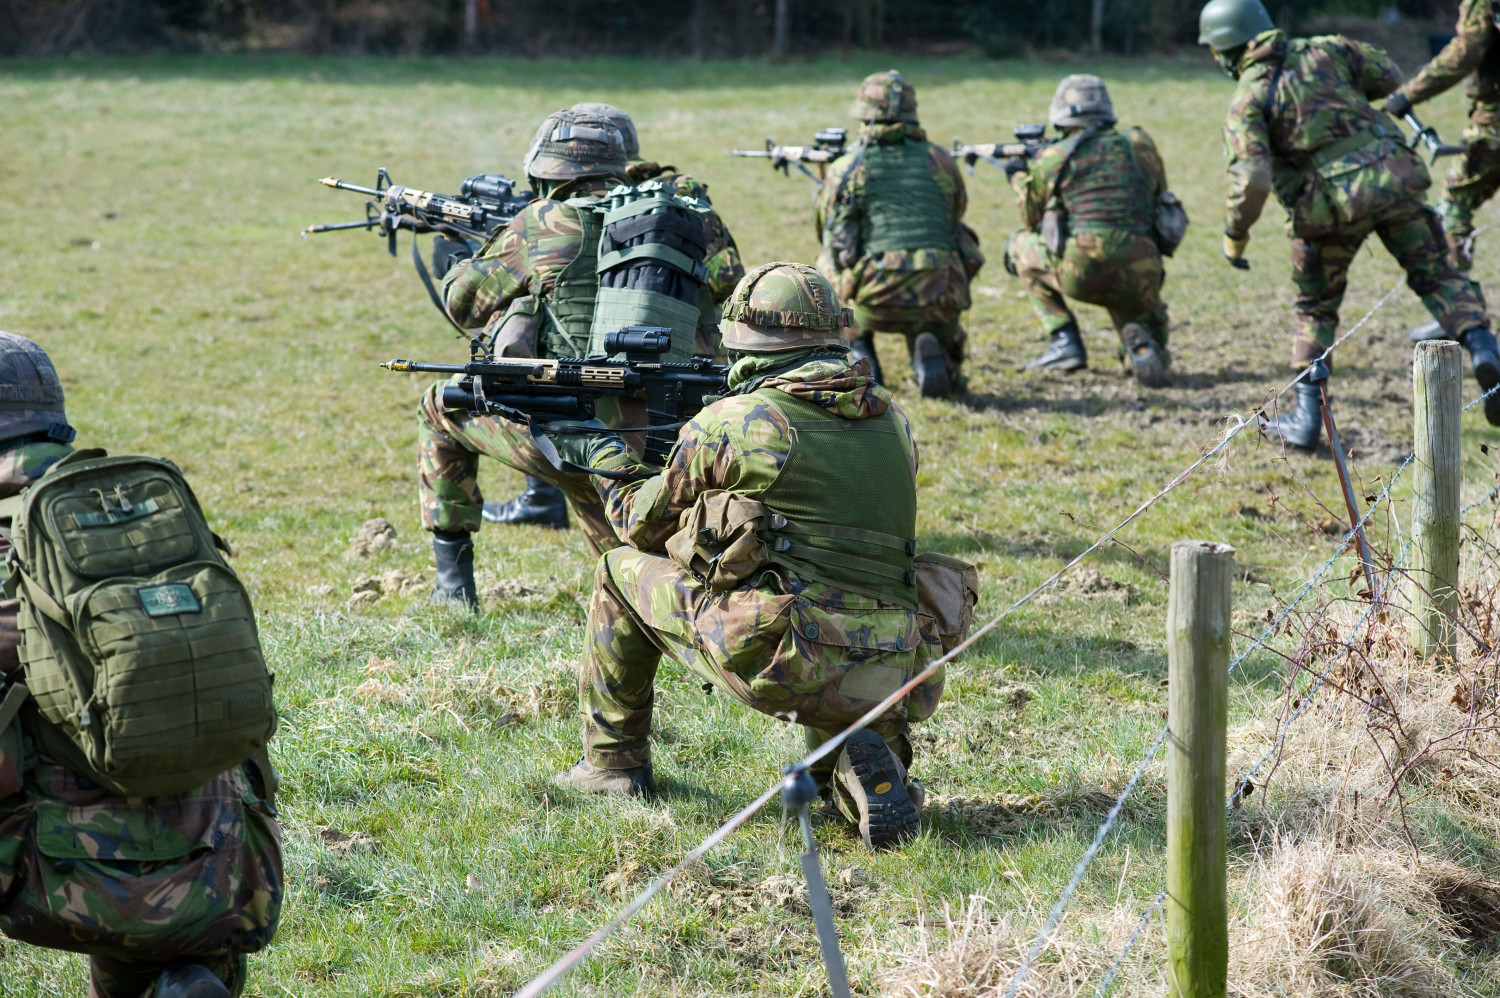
1234, 251
1398, 105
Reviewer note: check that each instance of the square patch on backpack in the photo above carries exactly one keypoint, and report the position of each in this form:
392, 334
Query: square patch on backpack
168, 600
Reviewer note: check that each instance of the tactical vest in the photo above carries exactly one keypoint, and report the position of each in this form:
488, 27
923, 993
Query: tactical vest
904, 206
568, 307
1103, 187
861, 534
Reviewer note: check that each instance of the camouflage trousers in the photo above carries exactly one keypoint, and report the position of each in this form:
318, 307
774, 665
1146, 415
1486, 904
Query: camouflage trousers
818, 662
1412, 234
140, 883
1473, 180
449, 445
1118, 271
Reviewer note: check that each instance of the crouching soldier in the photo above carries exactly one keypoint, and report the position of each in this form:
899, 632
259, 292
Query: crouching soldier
1090, 204
165, 890
792, 583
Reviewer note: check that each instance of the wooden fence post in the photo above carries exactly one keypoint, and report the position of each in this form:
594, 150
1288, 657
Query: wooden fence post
1198, 640
1437, 379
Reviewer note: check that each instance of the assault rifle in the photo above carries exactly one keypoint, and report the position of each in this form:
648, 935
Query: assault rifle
828, 145
1428, 136
536, 391
484, 205
1008, 156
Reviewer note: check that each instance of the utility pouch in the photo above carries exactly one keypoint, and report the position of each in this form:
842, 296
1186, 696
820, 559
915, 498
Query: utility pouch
719, 539
947, 591
1171, 223
1055, 228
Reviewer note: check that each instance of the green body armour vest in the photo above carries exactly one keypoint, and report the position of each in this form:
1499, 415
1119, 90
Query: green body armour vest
844, 505
904, 206
568, 308
1105, 188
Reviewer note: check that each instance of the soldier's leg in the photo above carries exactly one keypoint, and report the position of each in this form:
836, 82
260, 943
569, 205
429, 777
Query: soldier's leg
868, 781
1320, 271
1473, 180
116, 977
1028, 259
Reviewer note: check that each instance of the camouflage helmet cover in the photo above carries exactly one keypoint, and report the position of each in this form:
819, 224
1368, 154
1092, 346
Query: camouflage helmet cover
31, 396
571, 144
783, 306
885, 97
1081, 100
1227, 24
619, 119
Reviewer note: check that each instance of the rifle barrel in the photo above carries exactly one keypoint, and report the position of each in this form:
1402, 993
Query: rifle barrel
344, 185
408, 366
336, 226
762, 153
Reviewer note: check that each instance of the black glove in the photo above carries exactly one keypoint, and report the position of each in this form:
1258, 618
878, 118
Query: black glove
446, 252
1398, 105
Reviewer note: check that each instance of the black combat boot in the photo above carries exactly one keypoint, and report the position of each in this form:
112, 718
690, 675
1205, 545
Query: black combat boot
864, 349
453, 550
1066, 353
541, 504
930, 365
1145, 357
1485, 357
191, 980
1303, 426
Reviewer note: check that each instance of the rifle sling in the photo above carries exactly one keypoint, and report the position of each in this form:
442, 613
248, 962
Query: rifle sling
437, 301
11, 705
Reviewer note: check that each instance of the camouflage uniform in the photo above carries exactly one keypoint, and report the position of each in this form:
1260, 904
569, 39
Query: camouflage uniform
1474, 178
1111, 258
781, 642
136, 883
908, 289
1301, 122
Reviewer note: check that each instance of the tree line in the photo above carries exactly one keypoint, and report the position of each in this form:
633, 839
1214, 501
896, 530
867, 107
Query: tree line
685, 28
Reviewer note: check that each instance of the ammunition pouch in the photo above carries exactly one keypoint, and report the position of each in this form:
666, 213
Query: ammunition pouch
1055, 228
718, 539
947, 591
1171, 223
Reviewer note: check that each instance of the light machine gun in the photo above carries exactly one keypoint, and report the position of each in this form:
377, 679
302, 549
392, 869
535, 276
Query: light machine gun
828, 145
484, 205
1011, 157
537, 391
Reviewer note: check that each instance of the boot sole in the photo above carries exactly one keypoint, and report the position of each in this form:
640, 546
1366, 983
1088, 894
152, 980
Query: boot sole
932, 377
1145, 362
1488, 376
887, 816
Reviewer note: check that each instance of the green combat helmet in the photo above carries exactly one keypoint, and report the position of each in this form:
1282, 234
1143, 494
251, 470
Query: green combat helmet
1226, 25
1081, 100
616, 117
783, 306
31, 396
574, 144
885, 97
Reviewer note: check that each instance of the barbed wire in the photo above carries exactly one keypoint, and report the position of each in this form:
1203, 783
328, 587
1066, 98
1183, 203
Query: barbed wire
563, 965
1140, 927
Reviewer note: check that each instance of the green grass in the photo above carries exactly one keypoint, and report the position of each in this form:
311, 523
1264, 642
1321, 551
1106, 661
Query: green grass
203, 328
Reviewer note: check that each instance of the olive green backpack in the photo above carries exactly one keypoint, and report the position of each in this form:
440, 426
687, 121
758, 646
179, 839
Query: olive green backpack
139, 643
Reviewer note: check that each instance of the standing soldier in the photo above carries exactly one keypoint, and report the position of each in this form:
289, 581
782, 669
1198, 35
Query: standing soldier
1475, 49
1089, 204
1301, 124
894, 245
164, 894
533, 286
543, 503
820, 623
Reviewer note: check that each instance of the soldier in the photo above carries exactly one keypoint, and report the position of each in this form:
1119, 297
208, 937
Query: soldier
533, 286
1473, 180
71, 870
1101, 190
545, 504
823, 627
1301, 123
894, 244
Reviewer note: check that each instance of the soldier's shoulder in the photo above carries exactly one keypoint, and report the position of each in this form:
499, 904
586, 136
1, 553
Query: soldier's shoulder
737, 415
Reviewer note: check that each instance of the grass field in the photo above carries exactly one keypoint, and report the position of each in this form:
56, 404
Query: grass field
150, 244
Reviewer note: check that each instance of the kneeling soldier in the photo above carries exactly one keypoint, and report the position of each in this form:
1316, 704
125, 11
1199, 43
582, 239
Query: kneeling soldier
802, 480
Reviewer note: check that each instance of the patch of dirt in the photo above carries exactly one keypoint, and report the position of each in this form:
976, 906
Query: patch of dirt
339, 841
371, 588
374, 535
1087, 582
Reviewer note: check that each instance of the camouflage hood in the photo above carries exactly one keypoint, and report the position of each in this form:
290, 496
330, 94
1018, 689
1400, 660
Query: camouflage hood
817, 377
1268, 46
898, 131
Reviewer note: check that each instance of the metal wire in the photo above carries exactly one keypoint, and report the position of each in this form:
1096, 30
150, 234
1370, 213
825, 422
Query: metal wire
1140, 927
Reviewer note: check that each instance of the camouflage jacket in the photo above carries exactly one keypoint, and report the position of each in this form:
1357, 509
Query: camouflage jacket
1101, 157
725, 267
1474, 49
1297, 99
912, 278
522, 259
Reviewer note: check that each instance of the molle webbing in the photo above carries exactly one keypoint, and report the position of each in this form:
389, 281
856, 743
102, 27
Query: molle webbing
859, 535
568, 307
1104, 187
904, 206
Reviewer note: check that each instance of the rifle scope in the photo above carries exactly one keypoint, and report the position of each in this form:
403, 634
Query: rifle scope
635, 341
1030, 133
488, 187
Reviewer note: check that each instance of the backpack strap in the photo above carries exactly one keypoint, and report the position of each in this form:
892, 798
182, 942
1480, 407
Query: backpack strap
15, 697
39, 597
